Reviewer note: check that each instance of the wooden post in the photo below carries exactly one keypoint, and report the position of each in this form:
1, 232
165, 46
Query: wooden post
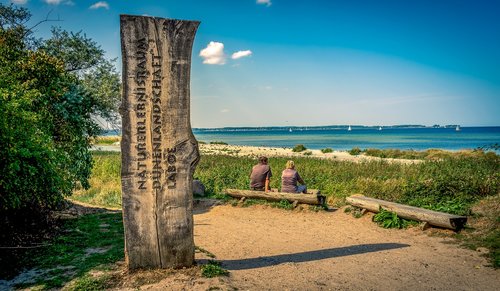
159, 151
436, 218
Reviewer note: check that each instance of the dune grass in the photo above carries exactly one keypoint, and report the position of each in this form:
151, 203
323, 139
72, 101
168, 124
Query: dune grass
451, 184
430, 154
107, 140
105, 182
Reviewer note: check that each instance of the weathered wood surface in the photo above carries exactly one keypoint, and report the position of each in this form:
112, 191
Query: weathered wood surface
159, 151
314, 199
435, 218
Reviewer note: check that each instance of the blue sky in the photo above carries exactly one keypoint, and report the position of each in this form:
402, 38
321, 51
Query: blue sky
317, 62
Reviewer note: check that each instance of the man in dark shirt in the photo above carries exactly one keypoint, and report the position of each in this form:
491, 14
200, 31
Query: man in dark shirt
260, 176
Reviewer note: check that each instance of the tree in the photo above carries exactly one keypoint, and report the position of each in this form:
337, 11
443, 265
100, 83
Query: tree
84, 58
46, 113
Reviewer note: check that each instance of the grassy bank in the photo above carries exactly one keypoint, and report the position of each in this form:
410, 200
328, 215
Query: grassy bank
107, 140
105, 182
453, 184
430, 154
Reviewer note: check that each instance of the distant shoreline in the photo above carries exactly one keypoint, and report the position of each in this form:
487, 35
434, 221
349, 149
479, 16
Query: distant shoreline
322, 127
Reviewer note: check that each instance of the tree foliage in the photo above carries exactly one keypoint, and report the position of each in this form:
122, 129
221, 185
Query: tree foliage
49, 93
84, 58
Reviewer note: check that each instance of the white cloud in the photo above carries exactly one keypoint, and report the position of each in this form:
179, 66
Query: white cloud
213, 54
224, 110
19, 2
100, 4
241, 54
53, 2
264, 2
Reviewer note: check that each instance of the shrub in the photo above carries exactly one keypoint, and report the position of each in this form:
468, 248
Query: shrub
299, 148
308, 153
218, 142
355, 151
49, 94
327, 150
375, 153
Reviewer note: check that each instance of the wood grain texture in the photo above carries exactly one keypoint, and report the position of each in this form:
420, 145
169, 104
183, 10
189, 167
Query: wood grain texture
314, 199
159, 151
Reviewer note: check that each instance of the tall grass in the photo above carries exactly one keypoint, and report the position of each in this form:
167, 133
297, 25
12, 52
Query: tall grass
451, 184
107, 140
430, 154
105, 182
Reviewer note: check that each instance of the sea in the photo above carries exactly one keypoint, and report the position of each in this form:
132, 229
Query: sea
363, 137
341, 138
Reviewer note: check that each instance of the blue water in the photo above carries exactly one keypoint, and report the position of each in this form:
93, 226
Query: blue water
362, 137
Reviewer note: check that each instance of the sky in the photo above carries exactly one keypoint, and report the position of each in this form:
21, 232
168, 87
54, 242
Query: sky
312, 62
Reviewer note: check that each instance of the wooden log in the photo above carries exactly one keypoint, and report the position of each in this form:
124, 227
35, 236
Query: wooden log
435, 218
159, 150
314, 199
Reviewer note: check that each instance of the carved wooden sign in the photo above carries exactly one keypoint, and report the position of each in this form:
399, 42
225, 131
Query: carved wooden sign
159, 151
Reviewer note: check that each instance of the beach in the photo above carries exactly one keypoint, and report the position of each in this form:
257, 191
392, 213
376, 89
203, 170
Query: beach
256, 151
253, 151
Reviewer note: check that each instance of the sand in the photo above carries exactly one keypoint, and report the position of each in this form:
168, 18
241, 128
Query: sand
267, 248
251, 151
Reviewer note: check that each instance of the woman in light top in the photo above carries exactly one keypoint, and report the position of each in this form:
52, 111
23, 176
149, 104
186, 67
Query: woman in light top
289, 179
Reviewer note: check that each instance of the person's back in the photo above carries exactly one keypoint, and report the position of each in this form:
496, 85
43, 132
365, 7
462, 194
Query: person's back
289, 179
260, 176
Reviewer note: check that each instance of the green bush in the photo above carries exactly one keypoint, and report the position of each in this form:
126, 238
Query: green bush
46, 109
355, 151
327, 150
299, 148
218, 142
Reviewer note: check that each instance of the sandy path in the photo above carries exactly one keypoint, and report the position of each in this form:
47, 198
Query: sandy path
272, 249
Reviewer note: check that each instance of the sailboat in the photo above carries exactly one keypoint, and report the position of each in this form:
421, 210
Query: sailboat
290, 129
457, 128
349, 129
380, 128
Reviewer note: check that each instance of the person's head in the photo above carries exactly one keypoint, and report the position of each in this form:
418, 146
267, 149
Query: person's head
263, 160
290, 165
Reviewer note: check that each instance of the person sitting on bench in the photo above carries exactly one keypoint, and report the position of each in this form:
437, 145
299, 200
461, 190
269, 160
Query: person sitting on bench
289, 179
261, 175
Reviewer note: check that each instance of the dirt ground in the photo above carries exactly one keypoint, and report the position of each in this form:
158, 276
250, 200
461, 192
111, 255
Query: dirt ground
267, 248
